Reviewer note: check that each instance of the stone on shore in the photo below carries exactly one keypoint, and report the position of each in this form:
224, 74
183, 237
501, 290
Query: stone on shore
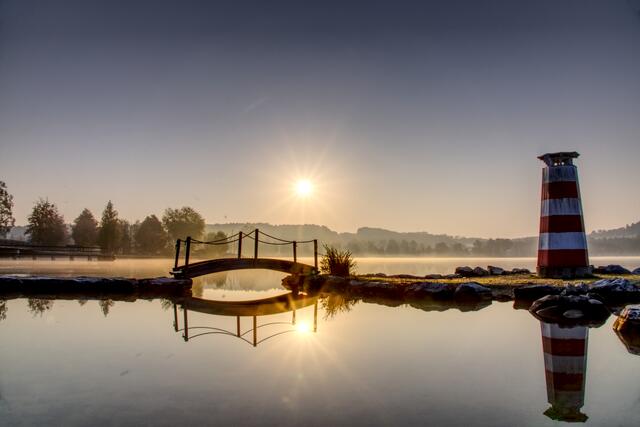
495, 271
615, 289
636, 271
570, 310
520, 271
534, 292
464, 271
471, 291
611, 269
627, 327
439, 291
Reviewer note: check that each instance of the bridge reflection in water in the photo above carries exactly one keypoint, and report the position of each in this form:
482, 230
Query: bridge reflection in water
286, 303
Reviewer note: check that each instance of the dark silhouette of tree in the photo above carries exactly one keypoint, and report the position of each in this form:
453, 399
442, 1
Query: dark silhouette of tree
37, 306
150, 236
46, 225
3, 309
441, 248
214, 250
125, 244
183, 222
82, 302
6, 210
109, 231
105, 305
85, 229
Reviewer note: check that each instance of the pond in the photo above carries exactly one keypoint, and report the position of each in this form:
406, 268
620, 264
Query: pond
68, 362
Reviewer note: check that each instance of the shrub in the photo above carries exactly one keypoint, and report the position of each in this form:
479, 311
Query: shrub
337, 262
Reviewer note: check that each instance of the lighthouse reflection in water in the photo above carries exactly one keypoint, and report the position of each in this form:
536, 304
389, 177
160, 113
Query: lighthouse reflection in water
565, 364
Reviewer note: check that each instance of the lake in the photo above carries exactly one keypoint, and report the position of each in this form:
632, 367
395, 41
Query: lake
68, 362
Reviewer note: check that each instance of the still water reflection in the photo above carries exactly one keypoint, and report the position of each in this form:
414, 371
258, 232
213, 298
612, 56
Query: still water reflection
66, 362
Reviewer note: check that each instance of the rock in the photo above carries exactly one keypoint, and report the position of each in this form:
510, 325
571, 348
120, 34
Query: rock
375, 289
611, 269
615, 289
495, 271
534, 292
433, 276
627, 327
570, 310
480, 272
464, 271
471, 291
451, 276
579, 289
520, 271
439, 291
636, 271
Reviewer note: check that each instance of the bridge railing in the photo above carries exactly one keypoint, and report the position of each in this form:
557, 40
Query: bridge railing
258, 238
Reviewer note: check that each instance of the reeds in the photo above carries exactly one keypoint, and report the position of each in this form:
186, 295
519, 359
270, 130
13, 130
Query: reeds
337, 262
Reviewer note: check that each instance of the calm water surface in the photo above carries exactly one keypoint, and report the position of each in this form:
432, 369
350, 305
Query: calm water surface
69, 362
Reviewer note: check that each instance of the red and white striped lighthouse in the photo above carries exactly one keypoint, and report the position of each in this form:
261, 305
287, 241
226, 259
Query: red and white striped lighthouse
562, 245
565, 366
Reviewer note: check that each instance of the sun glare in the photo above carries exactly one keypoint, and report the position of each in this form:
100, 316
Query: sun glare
303, 327
303, 188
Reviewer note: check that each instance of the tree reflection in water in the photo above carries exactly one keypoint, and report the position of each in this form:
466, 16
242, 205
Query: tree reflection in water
335, 303
3, 310
105, 305
38, 306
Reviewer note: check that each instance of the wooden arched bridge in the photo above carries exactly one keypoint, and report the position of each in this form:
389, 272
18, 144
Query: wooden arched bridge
237, 262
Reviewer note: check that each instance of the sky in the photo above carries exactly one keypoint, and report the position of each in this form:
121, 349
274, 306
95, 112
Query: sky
411, 116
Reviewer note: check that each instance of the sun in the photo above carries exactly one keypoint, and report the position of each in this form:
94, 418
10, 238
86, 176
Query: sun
303, 188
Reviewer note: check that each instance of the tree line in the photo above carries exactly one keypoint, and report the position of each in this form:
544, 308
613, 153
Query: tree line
151, 236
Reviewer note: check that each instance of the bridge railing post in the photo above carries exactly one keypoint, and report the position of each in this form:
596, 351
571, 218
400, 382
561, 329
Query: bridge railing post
315, 253
187, 251
255, 244
178, 243
240, 245
295, 251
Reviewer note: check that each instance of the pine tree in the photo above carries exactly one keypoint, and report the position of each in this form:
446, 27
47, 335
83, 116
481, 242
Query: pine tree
109, 231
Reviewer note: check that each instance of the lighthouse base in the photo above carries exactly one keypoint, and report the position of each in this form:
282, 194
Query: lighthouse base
565, 272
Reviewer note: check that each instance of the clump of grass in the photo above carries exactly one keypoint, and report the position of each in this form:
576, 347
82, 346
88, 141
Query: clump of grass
337, 262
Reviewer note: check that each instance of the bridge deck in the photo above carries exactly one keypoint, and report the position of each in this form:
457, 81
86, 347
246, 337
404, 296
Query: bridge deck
201, 268
273, 305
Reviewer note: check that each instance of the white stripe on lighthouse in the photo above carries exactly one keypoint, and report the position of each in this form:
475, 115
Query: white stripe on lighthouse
559, 173
565, 364
560, 207
573, 240
551, 330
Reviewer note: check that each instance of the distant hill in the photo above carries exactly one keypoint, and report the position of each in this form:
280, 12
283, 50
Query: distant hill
632, 230
381, 242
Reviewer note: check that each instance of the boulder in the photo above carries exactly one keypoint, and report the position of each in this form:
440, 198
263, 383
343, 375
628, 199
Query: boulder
471, 291
451, 276
570, 310
480, 272
439, 291
433, 276
520, 271
534, 292
495, 271
579, 289
375, 289
611, 269
615, 289
627, 327
464, 271
636, 271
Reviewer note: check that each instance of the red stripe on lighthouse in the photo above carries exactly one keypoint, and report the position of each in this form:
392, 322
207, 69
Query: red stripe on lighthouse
563, 347
563, 258
560, 381
561, 224
560, 190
